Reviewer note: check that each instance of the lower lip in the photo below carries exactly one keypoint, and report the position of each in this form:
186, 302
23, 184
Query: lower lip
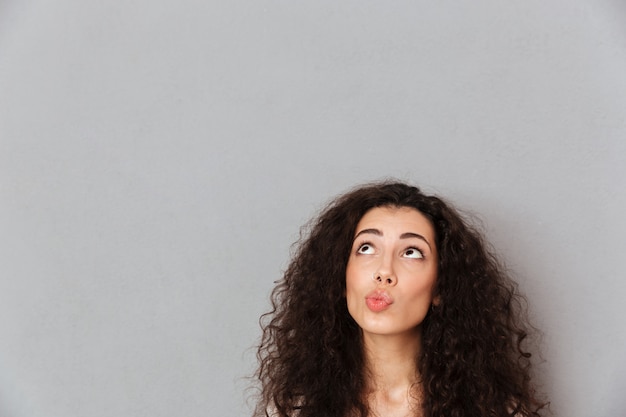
377, 304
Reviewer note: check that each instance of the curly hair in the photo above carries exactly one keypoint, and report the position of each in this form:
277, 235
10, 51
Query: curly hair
473, 361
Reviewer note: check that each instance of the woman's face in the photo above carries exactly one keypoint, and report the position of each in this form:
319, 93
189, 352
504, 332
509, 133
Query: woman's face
391, 271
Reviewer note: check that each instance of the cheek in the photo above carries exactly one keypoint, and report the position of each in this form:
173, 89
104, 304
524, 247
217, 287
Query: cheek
419, 285
350, 278
423, 290
353, 285
351, 273
357, 274
429, 285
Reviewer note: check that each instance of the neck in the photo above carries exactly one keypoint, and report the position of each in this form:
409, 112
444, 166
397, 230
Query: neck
391, 360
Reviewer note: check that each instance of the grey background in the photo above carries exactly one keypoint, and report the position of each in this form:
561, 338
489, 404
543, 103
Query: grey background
157, 159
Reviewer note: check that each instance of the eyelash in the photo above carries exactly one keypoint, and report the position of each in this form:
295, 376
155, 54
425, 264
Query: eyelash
358, 249
416, 250
361, 245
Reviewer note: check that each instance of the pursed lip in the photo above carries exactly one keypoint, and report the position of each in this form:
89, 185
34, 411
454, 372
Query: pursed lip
379, 295
378, 300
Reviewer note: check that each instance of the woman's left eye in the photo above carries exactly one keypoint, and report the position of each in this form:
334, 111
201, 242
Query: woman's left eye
413, 253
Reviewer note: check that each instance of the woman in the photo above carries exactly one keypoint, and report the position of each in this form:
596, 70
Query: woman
393, 307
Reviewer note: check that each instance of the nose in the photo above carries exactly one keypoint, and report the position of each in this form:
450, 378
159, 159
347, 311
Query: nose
385, 274
386, 279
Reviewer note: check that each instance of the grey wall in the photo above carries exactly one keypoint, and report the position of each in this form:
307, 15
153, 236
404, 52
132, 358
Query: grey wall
157, 159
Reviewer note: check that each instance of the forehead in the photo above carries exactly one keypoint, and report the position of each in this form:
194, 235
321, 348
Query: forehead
405, 219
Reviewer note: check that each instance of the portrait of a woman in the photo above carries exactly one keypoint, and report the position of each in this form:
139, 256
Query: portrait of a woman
393, 306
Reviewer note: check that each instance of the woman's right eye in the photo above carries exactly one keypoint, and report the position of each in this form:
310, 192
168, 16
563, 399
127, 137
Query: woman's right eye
366, 249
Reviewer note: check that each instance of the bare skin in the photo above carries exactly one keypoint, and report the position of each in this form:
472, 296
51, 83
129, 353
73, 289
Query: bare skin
394, 388
390, 277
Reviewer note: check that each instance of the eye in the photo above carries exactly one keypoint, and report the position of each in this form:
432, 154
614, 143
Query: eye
366, 249
413, 253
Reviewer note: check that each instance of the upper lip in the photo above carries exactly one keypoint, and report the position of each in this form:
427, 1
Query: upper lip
380, 295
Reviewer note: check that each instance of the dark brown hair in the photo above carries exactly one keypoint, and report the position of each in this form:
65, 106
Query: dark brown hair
472, 362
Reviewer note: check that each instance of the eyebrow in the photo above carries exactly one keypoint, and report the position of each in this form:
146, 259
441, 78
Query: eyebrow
406, 235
